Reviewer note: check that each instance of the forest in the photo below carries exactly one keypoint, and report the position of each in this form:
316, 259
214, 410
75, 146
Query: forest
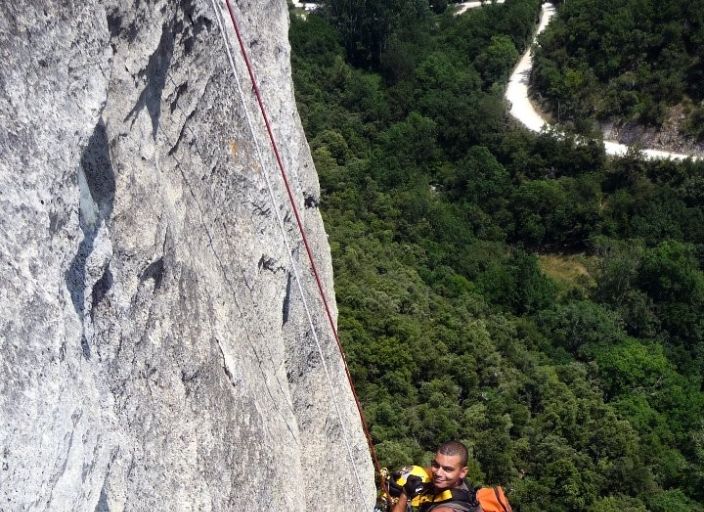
522, 293
638, 61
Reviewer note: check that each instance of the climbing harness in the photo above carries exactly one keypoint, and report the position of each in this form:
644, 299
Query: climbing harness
294, 208
458, 498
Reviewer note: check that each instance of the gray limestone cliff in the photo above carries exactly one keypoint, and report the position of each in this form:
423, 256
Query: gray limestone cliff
155, 354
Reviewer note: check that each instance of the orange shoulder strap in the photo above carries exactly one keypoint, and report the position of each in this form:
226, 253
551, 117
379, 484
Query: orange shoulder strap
493, 499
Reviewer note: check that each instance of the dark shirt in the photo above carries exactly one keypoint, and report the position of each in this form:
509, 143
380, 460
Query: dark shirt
465, 506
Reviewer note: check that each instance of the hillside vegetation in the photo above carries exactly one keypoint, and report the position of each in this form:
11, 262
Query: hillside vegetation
520, 293
639, 61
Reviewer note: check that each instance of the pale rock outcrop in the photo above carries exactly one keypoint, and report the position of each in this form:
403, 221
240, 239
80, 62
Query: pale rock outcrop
154, 349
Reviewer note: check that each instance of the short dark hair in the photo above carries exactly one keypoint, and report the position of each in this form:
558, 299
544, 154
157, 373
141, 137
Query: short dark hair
455, 448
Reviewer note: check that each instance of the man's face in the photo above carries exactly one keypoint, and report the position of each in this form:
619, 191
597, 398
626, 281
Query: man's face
447, 470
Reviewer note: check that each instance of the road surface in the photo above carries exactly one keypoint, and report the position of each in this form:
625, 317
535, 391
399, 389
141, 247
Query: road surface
524, 111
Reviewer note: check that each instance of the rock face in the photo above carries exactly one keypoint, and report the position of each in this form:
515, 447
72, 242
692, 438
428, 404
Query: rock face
668, 137
154, 346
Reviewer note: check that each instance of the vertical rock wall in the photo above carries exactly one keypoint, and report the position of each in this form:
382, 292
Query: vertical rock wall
155, 353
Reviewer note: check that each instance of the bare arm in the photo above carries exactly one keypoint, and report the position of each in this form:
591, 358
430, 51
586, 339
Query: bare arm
401, 505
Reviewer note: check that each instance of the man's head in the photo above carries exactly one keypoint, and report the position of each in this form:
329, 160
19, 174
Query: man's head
449, 467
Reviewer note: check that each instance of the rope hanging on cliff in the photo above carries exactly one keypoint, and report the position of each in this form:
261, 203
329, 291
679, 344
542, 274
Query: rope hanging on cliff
283, 230
299, 223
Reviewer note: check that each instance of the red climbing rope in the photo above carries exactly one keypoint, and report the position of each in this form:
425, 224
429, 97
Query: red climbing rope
291, 198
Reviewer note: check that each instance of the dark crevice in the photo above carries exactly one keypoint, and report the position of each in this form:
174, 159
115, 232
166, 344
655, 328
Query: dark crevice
261, 210
160, 61
98, 170
287, 301
189, 8
224, 364
96, 184
185, 377
176, 145
269, 264
75, 276
100, 290
102, 505
56, 222
155, 74
154, 271
310, 201
117, 29
197, 24
85, 347
180, 90
114, 24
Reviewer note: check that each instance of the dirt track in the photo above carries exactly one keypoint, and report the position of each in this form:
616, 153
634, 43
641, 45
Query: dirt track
524, 111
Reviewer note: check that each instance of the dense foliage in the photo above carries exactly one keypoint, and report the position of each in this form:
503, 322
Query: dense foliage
520, 293
628, 60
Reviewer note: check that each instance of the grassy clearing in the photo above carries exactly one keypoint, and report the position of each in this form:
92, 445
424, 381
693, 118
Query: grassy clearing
569, 272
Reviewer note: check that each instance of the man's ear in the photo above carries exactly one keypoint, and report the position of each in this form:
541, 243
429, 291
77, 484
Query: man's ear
463, 472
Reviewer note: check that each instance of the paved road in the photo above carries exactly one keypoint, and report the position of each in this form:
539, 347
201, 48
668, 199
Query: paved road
304, 5
524, 111
464, 6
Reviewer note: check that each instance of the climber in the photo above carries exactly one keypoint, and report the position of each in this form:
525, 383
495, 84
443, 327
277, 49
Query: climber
445, 489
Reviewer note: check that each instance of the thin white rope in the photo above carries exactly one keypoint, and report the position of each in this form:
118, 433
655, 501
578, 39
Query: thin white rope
289, 250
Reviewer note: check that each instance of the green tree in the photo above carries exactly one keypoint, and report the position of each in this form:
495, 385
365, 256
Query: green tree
670, 275
496, 61
581, 327
366, 26
617, 504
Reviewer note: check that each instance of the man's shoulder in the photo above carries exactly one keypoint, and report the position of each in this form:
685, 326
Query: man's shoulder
463, 503
452, 507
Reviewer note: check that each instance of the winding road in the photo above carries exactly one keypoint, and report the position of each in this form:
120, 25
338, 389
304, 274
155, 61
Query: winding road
308, 6
523, 110
464, 6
